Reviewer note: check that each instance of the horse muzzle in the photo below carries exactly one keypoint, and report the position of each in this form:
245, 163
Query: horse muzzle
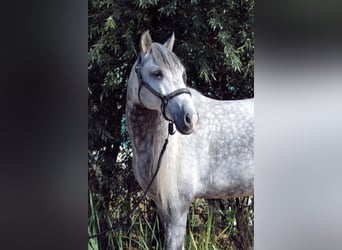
186, 123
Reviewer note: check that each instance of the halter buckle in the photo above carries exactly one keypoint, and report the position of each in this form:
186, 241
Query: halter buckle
172, 130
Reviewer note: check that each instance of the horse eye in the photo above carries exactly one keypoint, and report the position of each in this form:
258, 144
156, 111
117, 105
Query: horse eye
157, 74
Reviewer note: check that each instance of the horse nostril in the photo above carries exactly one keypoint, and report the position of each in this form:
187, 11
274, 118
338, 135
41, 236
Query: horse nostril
187, 119
190, 120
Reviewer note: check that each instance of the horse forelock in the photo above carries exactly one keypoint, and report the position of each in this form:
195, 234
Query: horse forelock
165, 58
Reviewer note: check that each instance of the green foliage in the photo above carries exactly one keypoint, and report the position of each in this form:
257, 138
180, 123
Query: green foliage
215, 42
208, 227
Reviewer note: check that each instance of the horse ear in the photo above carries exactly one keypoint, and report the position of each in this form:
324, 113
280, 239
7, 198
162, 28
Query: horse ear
169, 43
146, 42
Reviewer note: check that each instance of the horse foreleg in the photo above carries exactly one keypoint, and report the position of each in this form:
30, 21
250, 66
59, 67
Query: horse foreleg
175, 228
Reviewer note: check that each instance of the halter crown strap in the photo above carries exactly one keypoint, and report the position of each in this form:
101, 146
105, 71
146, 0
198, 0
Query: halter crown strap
164, 98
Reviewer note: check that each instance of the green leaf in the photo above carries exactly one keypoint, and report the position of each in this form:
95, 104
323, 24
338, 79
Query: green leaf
110, 24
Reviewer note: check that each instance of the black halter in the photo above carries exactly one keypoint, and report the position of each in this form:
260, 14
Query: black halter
164, 98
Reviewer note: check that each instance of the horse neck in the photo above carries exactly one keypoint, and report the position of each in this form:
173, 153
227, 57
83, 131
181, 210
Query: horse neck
148, 130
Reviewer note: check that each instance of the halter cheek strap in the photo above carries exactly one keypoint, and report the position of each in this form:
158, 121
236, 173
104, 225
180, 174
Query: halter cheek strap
164, 98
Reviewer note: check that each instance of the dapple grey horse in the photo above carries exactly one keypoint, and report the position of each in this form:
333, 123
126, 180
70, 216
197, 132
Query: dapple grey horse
210, 155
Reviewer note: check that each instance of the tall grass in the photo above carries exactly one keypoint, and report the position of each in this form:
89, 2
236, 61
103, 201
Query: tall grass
141, 231
208, 227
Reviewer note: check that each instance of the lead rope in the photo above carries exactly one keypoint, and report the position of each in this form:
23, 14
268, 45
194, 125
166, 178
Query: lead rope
171, 131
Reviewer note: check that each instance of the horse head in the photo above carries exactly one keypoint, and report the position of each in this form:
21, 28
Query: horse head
161, 78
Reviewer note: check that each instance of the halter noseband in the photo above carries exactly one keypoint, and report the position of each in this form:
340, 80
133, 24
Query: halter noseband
164, 98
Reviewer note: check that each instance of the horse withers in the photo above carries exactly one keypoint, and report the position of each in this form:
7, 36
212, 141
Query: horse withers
211, 156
